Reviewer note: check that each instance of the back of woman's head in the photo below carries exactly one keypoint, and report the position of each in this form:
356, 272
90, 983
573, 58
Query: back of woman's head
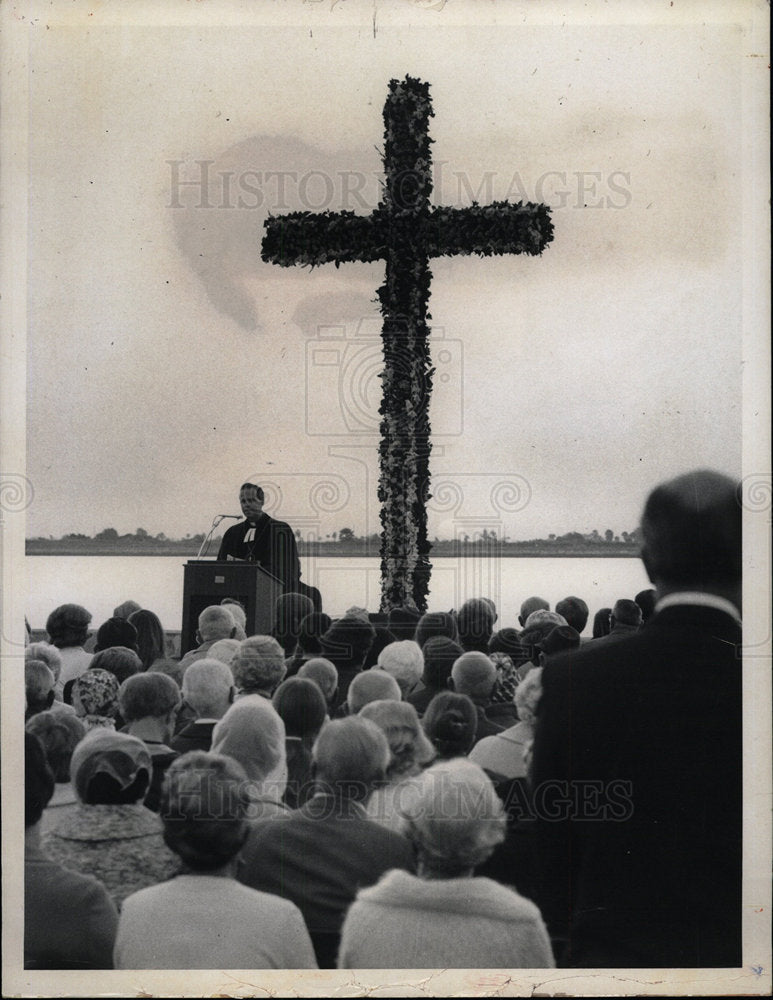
204, 807
601, 623
289, 611
38, 780
436, 623
311, 629
148, 695
440, 653
252, 732
475, 621
116, 632
451, 723
409, 747
347, 641
528, 694
60, 733
456, 818
46, 652
151, 641
120, 661
507, 640
110, 768
301, 706
68, 625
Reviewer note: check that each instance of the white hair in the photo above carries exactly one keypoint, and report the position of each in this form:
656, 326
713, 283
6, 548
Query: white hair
49, 654
223, 650
237, 612
259, 664
216, 622
455, 819
528, 694
323, 673
207, 687
404, 661
371, 685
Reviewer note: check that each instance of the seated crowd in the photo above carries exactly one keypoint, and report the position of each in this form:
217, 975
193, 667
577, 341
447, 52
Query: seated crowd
362, 792
299, 790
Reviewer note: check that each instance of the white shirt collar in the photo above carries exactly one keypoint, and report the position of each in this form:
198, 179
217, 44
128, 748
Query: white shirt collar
699, 597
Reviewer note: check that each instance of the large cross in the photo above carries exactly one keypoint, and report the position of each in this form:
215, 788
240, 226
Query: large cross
405, 231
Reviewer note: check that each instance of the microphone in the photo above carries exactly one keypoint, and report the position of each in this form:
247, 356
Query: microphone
215, 521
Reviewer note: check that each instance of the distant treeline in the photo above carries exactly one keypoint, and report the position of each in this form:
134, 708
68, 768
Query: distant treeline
344, 543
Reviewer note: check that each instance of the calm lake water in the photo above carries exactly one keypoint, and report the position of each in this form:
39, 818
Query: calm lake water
100, 583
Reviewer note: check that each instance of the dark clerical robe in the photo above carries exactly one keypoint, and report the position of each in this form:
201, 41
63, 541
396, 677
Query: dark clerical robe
273, 547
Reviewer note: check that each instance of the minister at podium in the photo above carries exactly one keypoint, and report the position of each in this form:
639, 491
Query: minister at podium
261, 539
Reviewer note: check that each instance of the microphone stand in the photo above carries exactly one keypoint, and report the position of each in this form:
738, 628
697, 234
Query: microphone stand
215, 521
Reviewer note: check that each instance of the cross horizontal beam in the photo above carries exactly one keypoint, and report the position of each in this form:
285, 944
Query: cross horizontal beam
314, 238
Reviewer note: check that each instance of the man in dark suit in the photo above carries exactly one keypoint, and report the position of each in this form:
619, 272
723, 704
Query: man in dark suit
320, 855
637, 762
261, 539
208, 690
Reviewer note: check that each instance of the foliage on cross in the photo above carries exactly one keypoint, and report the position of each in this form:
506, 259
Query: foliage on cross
405, 231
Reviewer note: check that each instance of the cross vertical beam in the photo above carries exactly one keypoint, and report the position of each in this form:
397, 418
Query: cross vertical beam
405, 232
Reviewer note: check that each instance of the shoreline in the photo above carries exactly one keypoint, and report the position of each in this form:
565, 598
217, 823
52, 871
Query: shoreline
623, 552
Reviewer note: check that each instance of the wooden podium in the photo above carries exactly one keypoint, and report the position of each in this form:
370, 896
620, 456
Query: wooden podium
208, 582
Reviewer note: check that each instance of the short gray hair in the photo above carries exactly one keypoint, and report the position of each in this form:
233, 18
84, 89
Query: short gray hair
371, 685
49, 654
207, 684
404, 661
259, 664
150, 694
456, 819
38, 682
216, 622
323, 673
351, 754
474, 674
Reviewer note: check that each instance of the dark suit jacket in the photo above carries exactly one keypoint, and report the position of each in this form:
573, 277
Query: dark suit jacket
318, 857
197, 735
273, 547
636, 779
486, 725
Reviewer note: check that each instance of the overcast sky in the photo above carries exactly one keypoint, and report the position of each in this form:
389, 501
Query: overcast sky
167, 363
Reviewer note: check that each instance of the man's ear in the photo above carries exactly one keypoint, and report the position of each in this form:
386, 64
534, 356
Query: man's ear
198, 638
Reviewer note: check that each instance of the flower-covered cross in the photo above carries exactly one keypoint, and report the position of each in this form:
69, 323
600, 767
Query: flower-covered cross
406, 231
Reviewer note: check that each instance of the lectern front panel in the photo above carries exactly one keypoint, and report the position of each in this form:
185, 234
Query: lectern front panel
208, 582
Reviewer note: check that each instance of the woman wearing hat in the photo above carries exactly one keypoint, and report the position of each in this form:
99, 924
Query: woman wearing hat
111, 834
95, 699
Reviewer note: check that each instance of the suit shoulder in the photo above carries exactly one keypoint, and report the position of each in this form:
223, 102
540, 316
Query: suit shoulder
592, 660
